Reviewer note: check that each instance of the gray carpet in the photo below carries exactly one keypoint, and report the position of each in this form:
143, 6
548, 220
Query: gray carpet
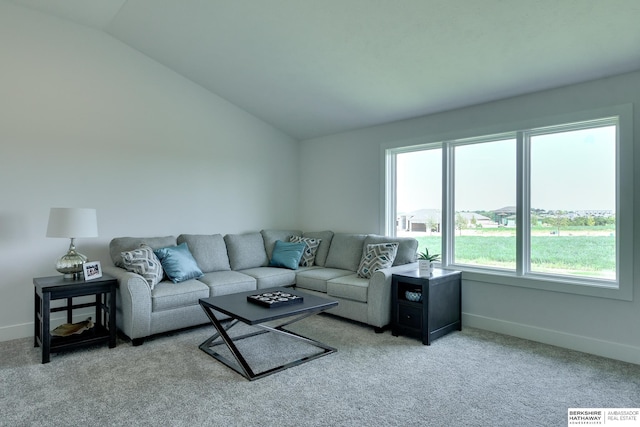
467, 378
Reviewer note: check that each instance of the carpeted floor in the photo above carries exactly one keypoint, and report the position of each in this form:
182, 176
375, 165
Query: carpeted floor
467, 378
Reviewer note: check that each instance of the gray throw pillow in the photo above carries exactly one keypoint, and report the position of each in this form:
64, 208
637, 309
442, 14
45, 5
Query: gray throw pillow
376, 257
311, 247
144, 262
122, 244
407, 247
325, 238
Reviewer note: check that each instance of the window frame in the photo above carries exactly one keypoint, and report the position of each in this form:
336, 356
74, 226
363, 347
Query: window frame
451, 211
620, 289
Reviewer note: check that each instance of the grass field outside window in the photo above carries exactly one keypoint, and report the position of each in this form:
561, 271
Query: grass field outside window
580, 251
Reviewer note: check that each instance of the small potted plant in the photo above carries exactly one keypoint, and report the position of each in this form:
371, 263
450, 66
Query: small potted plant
425, 261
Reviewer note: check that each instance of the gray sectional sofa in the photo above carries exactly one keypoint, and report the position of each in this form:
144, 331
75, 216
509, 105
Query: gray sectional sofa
240, 262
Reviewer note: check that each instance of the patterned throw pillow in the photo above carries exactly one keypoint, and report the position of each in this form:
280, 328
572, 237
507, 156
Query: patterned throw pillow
376, 257
144, 262
309, 254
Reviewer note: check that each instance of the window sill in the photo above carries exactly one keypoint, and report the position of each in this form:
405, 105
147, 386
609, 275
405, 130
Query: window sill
594, 288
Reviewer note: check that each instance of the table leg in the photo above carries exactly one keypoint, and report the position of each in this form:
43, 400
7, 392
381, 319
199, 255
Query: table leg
112, 317
70, 310
246, 371
36, 320
98, 316
45, 326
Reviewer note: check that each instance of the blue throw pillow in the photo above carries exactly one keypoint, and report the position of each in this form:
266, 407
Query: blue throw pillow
178, 263
287, 254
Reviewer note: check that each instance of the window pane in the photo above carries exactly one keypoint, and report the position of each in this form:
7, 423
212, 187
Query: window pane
573, 199
419, 197
485, 204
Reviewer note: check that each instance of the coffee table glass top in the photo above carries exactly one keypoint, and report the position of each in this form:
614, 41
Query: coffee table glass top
237, 306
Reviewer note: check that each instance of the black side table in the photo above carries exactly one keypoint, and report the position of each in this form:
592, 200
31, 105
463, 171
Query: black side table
57, 287
438, 311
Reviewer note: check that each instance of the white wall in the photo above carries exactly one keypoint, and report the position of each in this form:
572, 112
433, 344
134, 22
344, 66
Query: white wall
87, 122
352, 190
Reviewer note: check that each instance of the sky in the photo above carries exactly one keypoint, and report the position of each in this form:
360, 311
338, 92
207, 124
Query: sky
570, 171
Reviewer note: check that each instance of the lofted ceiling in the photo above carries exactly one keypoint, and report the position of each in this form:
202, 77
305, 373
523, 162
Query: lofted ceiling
318, 67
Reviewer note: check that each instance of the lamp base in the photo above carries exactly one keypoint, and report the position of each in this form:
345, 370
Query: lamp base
70, 264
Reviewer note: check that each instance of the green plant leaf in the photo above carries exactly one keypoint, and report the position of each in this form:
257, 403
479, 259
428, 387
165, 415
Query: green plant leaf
429, 257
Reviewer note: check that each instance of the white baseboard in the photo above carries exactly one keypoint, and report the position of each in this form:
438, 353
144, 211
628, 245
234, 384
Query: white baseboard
611, 350
13, 332
25, 330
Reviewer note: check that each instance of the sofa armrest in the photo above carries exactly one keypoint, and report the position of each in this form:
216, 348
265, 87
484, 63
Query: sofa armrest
379, 294
133, 303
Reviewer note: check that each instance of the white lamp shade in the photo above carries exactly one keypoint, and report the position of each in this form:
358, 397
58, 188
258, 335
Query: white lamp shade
72, 223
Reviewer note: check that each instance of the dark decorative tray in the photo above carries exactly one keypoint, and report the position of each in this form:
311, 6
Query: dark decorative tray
274, 299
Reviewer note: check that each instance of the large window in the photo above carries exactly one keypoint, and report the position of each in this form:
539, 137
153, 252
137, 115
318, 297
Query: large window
484, 203
419, 197
540, 203
573, 200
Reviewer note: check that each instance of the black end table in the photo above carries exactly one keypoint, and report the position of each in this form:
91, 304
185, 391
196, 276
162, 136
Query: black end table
52, 288
438, 312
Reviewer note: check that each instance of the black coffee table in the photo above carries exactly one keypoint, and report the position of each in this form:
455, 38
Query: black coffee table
240, 310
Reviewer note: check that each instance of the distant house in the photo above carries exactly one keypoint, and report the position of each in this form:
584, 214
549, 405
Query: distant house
422, 220
504, 215
475, 220
430, 220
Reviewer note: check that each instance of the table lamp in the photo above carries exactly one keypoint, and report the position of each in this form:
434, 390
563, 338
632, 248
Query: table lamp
72, 223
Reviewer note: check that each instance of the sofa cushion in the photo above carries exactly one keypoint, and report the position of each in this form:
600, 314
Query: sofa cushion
123, 244
316, 278
271, 236
246, 250
271, 277
309, 253
144, 262
167, 295
376, 257
323, 249
407, 247
345, 251
209, 251
287, 254
228, 282
178, 263
349, 287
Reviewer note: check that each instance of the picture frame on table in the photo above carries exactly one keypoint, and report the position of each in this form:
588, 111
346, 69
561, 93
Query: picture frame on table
92, 270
